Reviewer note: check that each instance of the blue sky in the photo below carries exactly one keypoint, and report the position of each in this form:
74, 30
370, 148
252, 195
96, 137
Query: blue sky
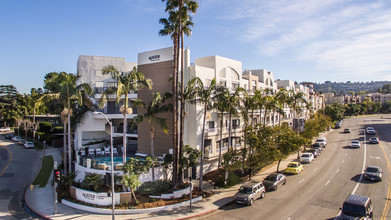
301, 40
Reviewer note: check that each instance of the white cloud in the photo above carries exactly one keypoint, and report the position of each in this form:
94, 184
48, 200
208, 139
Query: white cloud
348, 37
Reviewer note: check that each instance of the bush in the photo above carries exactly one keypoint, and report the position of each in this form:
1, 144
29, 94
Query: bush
233, 179
38, 145
58, 129
45, 127
154, 188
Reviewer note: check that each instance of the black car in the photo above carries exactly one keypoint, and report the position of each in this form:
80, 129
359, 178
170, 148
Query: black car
317, 146
9, 136
315, 152
274, 180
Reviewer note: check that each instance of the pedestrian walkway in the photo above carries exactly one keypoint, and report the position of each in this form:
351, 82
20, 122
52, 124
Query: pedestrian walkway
41, 200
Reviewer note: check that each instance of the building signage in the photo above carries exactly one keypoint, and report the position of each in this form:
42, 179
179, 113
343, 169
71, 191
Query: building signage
95, 198
154, 58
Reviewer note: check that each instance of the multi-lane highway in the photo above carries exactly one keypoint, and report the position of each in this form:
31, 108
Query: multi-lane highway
319, 191
18, 167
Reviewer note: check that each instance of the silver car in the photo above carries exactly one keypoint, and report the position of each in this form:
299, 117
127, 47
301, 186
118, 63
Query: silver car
355, 144
29, 144
249, 192
274, 180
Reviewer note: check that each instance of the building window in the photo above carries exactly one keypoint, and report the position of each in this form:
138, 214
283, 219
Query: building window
254, 85
111, 84
235, 123
223, 83
211, 126
235, 85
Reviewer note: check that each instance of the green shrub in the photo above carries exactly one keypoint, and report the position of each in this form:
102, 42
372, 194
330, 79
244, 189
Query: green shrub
58, 129
154, 188
45, 127
233, 179
38, 145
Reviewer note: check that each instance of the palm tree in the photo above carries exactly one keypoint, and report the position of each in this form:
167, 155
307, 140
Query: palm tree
205, 94
70, 93
127, 82
220, 104
153, 109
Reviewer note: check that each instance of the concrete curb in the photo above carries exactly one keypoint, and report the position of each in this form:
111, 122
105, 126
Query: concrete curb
127, 211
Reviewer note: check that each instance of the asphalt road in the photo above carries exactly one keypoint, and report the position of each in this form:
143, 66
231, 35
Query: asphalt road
18, 167
319, 191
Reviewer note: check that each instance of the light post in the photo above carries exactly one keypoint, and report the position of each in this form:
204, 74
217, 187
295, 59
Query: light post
112, 163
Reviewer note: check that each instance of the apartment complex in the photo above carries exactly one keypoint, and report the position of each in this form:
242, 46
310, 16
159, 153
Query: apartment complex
157, 66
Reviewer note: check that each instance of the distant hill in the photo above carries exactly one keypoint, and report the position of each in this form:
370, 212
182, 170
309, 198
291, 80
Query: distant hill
345, 87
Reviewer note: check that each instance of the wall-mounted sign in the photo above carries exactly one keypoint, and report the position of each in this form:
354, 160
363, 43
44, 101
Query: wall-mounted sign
154, 57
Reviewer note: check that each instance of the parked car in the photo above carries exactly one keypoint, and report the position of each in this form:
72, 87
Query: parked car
357, 207
22, 142
337, 125
373, 173
249, 192
29, 144
322, 141
317, 146
315, 152
16, 138
371, 130
274, 180
374, 140
5, 129
347, 130
306, 157
9, 136
355, 144
294, 167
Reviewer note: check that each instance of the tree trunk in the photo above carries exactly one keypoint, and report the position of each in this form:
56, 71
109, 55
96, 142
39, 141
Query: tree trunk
175, 165
229, 131
69, 142
226, 176
182, 112
278, 165
65, 148
152, 151
202, 148
134, 195
124, 136
34, 126
221, 140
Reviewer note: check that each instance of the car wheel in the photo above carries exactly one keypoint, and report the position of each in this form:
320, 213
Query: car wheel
251, 202
284, 182
262, 195
275, 188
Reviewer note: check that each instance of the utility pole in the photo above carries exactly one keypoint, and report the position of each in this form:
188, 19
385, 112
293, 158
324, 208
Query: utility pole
55, 189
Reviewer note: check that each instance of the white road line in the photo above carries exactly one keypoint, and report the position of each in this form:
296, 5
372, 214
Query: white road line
363, 165
301, 181
288, 218
314, 169
343, 161
327, 183
346, 154
337, 171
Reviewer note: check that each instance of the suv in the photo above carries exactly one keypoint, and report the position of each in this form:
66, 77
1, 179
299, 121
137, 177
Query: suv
357, 207
249, 192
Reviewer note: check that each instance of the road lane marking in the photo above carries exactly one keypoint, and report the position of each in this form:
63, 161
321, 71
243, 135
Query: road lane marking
327, 183
343, 161
9, 161
388, 199
377, 158
363, 165
301, 181
337, 171
346, 154
314, 169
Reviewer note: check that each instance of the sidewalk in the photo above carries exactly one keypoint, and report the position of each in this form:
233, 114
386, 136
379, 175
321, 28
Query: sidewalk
41, 200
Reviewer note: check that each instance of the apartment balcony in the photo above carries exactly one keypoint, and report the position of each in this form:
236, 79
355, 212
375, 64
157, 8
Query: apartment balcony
99, 90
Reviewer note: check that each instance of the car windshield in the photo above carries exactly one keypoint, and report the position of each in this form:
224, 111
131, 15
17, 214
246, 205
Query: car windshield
316, 145
353, 210
271, 177
313, 151
305, 155
373, 138
372, 170
292, 165
246, 190
320, 140
355, 142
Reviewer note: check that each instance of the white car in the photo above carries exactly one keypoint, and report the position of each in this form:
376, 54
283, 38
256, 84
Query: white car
29, 144
322, 141
371, 130
306, 158
17, 138
4, 129
355, 143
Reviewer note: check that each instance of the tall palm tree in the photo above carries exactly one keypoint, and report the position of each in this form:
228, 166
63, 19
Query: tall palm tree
176, 25
220, 104
204, 96
127, 82
69, 94
152, 110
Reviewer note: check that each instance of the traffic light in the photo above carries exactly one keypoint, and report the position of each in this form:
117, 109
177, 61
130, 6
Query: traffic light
57, 175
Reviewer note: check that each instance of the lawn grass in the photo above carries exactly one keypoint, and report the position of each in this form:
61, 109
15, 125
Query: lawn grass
44, 173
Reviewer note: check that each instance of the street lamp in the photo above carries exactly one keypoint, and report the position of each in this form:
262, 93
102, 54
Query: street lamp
112, 163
